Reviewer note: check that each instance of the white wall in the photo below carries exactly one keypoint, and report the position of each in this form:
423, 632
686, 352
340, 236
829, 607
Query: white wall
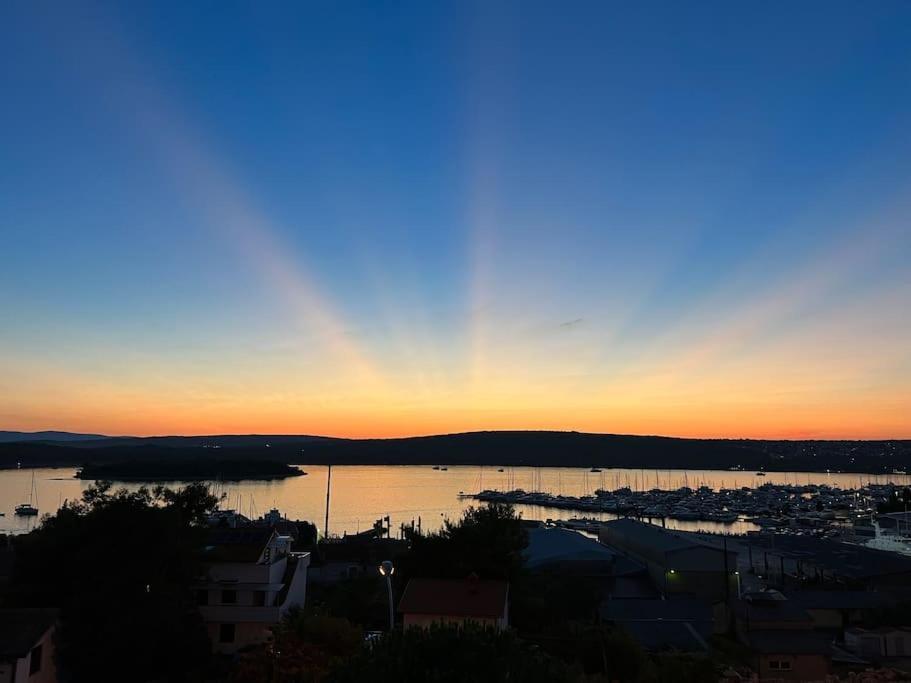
48, 672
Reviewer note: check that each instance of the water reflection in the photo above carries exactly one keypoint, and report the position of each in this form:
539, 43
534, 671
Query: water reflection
362, 494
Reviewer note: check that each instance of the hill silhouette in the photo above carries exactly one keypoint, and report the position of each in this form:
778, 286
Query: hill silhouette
506, 448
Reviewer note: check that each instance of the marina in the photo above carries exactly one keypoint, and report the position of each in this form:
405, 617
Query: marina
362, 494
768, 505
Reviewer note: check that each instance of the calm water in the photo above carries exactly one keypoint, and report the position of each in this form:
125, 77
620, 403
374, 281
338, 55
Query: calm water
362, 494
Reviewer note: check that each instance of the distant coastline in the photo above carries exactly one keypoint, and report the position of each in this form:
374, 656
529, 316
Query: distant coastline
500, 449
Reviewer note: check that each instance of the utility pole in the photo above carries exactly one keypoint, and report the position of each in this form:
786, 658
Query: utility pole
328, 488
727, 589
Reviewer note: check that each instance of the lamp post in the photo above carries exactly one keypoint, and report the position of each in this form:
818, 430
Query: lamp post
387, 570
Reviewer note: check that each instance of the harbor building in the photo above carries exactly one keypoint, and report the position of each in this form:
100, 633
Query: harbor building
676, 564
682, 625
796, 561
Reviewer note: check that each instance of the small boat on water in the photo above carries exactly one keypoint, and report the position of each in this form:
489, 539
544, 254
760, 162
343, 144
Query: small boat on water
594, 469
501, 470
436, 467
28, 509
760, 474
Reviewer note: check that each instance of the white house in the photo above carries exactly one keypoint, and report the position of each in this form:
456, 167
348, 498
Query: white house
252, 581
27, 646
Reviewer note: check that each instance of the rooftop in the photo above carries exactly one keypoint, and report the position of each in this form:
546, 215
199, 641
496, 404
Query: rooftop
683, 609
469, 597
840, 599
844, 559
552, 545
790, 642
668, 635
655, 536
771, 610
244, 544
683, 624
22, 628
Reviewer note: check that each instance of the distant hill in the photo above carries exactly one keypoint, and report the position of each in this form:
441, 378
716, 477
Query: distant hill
16, 437
514, 448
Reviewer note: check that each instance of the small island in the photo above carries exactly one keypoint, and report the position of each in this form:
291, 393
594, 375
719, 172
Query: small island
188, 470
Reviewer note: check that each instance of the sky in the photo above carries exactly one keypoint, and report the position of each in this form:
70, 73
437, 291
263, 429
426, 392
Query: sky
386, 219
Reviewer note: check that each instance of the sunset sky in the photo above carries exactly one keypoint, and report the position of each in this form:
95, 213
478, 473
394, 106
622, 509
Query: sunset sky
383, 219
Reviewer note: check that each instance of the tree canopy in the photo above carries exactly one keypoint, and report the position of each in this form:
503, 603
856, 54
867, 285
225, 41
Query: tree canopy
450, 654
487, 541
120, 566
306, 646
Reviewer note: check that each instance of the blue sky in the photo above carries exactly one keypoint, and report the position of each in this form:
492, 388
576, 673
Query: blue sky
498, 214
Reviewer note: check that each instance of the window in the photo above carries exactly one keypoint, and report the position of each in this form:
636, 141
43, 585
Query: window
779, 665
259, 598
226, 633
34, 660
202, 597
229, 597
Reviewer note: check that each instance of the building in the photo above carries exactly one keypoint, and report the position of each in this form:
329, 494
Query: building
791, 655
805, 560
252, 580
877, 643
351, 557
455, 601
27, 646
683, 624
568, 552
834, 611
768, 611
780, 634
676, 563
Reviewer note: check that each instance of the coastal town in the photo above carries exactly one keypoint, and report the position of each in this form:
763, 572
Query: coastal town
808, 595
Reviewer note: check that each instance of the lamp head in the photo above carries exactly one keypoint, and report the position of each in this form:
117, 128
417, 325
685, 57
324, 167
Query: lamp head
386, 568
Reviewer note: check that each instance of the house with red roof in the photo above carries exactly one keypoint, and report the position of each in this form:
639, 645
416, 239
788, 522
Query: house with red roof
484, 602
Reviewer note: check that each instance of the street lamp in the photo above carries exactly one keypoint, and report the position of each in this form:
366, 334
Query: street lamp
387, 570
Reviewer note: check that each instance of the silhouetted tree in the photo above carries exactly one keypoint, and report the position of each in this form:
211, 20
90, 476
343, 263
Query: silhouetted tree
448, 654
487, 541
305, 647
120, 565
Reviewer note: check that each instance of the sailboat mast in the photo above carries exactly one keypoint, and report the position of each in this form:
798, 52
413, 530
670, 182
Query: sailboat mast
328, 485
